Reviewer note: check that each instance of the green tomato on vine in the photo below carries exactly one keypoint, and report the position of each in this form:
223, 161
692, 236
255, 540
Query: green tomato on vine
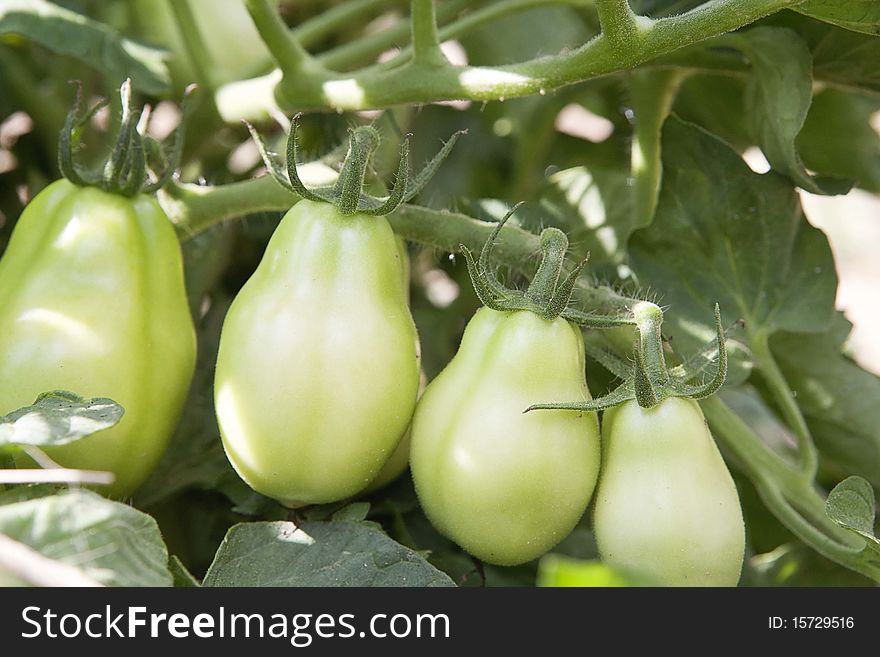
318, 366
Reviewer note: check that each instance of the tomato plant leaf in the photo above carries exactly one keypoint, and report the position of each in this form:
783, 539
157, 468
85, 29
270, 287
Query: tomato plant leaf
354, 512
724, 233
57, 418
846, 59
182, 577
67, 33
838, 137
856, 15
109, 542
837, 397
317, 554
851, 505
779, 92
717, 103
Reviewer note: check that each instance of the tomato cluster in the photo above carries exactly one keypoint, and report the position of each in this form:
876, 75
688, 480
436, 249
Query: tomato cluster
318, 378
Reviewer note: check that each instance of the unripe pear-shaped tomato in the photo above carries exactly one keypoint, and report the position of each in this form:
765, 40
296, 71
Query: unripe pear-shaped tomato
92, 300
318, 366
506, 485
666, 505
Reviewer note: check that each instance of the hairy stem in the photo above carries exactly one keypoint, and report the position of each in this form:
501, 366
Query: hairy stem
600, 56
194, 44
426, 42
291, 57
618, 22
364, 51
196, 208
334, 18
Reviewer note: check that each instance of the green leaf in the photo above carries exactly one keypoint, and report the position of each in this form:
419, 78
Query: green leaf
716, 103
317, 554
594, 204
851, 505
182, 577
354, 512
57, 418
838, 399
67, 33
778, 95
724, 233
106, 541
557, 570
846, 59
856, 15
838, 138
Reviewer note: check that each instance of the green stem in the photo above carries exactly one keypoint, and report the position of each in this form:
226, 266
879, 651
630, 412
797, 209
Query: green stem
554, 245
196, 208
782, 393
194, 44
649, 320
618, 22
406, 84
291, 57
477, 18
738, 438
365, 51
343, 15
840, 553
784, 489
426, 42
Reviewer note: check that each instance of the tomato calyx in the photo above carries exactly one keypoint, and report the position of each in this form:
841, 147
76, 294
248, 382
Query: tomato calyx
127, 170
347, 194
647, 379
548, 294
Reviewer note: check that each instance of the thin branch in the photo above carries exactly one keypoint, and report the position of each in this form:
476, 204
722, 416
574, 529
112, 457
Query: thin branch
196, 208
194, 44
782, 393
407, 84
339, 16
291, 57
364, 51
618, 22
426, 42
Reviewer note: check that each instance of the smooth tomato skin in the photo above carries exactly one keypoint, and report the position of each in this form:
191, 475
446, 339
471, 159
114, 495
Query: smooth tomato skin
506, 485
92, 300
318, 365
666, 504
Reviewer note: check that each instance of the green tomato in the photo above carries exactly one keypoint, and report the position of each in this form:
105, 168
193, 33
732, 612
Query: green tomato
318, 366
666, 505
506, 485
92, 300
